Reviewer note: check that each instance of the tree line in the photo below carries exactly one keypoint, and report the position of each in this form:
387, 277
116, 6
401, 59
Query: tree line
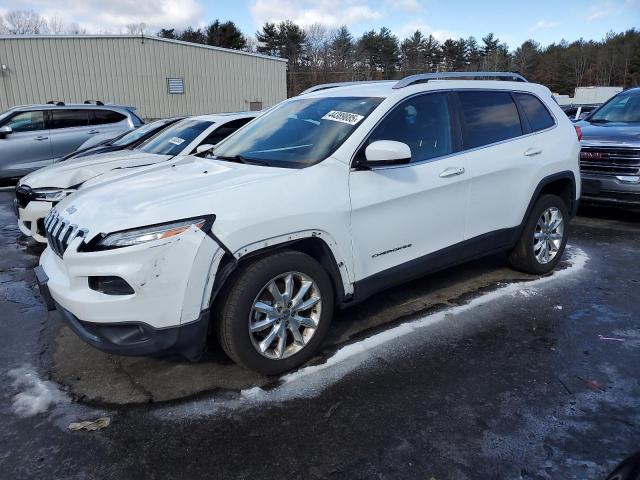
317, 54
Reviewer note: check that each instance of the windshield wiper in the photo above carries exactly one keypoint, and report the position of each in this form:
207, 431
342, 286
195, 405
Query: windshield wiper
241, 159
599, 120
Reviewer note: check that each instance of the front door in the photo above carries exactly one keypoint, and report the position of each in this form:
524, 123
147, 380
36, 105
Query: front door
27, 147
402, 213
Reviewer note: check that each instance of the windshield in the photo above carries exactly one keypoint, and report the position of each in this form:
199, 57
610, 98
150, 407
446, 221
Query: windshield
173, 140
132, 136
299, 132
621, 108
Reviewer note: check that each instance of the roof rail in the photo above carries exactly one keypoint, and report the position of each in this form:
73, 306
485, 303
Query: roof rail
90, 102
55, 102
425, 77
325, 86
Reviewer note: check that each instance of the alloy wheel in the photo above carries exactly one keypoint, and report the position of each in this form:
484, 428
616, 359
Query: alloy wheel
285, 315
548, 235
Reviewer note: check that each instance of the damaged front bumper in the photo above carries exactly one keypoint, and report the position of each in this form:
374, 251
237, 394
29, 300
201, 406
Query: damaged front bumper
167, 311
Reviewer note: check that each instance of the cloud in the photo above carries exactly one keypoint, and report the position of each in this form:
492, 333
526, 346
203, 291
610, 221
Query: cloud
408, 29
330, 13
543, 25
98, 16
596, 13
607, 8
411, 6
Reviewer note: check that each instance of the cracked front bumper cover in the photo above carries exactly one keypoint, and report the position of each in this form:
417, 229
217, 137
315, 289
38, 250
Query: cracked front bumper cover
140, 339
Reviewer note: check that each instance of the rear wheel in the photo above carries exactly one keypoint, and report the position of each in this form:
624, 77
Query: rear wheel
543, 238
275, 312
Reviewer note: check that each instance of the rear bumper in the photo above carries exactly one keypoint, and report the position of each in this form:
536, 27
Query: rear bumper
133, 338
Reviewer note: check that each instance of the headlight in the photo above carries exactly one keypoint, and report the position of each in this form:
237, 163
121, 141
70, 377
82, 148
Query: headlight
127, 238
50, 195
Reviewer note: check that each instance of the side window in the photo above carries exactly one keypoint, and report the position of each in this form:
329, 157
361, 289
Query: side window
422, 122
26, 121
102, 117
537, 114
68, 118
224, 131
489, 117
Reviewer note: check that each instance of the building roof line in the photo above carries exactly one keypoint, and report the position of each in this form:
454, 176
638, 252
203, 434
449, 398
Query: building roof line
141, 37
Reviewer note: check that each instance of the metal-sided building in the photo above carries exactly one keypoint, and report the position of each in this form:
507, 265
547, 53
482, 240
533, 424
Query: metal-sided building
160, 77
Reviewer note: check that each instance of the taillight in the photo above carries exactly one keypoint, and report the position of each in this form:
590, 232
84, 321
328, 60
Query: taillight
578, 132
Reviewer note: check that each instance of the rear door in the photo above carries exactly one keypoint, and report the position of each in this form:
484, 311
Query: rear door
503, 156
69, 128
28, 147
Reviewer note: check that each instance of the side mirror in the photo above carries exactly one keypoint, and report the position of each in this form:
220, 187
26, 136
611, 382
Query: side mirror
387, 152
207, 147
4, 131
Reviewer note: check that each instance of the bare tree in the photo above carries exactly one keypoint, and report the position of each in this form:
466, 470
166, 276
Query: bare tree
56, 26
75, 29
24, 22
252, 43
136, 28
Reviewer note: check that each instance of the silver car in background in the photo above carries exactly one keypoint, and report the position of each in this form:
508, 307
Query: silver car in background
34, 136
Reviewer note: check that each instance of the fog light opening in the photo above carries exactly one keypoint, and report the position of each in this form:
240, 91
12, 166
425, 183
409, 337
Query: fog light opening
110, 286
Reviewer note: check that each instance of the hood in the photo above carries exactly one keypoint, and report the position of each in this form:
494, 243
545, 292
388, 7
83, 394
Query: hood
189, 187
76, 171
615, 134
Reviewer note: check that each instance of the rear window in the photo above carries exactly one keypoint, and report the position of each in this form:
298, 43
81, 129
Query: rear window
224, 131
173, 140
69, 118
537, 114
101, 117
489, 117
136, 134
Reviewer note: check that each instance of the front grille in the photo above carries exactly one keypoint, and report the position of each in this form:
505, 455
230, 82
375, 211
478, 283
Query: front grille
24, 194
60, 233
610, 161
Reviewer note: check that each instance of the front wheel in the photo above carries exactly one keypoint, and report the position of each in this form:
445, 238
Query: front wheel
275, 312
543, 238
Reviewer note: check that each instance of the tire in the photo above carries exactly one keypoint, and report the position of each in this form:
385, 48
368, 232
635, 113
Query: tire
523, 257
249, 287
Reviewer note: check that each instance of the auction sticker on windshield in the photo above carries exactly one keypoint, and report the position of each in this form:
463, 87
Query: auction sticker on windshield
176, 140
344, 117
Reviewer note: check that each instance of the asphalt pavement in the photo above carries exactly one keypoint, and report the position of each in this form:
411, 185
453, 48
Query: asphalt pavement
476, 372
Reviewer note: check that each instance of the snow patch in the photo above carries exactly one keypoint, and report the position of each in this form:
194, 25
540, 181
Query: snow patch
354, 356
37, 395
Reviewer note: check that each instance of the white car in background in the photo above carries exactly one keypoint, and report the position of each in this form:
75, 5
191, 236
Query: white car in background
39, 191
321, 202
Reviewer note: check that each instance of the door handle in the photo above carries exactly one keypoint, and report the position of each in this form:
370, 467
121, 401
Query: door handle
93, 132
39, 138
452, 172
532, 152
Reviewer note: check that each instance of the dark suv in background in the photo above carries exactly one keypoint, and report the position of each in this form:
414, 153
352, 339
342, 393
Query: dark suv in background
610, 154
34, 136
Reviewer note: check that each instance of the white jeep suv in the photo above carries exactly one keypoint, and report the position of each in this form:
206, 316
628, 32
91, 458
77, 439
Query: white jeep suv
321, 202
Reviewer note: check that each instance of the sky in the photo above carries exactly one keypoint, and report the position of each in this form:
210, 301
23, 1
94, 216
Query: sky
545, 21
